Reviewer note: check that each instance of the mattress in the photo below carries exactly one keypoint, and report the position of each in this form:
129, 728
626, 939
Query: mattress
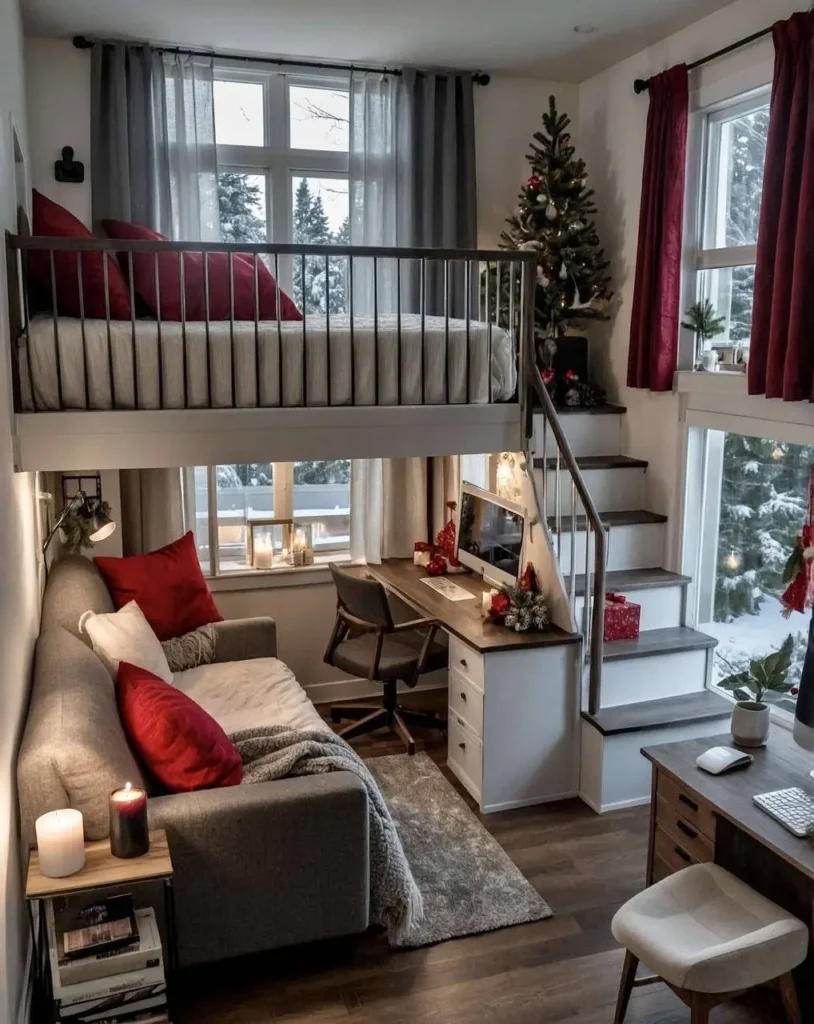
249, 694
275, 364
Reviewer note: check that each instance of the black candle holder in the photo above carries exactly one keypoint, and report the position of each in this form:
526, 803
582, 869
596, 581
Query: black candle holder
129, 833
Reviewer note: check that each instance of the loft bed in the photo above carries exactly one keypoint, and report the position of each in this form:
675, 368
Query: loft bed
394, 374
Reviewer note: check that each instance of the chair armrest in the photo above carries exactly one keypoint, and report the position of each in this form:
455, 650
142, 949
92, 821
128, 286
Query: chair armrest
241, 639
400, 627
266, 864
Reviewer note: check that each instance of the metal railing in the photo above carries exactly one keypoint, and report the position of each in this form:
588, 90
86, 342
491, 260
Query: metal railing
412, 293
593, 610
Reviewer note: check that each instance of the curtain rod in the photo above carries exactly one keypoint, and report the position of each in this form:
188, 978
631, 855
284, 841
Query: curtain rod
83, 43
642, 84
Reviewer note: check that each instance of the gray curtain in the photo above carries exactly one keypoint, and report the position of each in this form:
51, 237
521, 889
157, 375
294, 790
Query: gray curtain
154, 162
412, 183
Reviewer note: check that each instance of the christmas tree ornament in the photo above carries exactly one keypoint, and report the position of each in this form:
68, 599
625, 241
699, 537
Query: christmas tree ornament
563, 272
534, 183
551, 212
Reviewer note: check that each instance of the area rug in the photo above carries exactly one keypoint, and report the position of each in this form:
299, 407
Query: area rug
468, 883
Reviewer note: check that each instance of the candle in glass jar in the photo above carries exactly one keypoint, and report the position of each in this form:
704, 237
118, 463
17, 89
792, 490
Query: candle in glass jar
61, 843
263, 553
129, 836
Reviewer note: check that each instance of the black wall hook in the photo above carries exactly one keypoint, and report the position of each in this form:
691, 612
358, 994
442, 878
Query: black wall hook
69, 170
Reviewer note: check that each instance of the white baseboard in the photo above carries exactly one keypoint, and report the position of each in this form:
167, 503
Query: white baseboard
620, 805
512, 805
358, 689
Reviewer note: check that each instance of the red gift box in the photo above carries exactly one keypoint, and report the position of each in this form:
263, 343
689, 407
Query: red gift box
621, 617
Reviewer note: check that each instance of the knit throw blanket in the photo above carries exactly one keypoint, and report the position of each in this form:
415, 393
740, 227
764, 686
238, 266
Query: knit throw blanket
277, 751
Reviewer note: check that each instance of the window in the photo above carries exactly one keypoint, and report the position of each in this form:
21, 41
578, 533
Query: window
734, 155
757, 491
315, 495
283, 172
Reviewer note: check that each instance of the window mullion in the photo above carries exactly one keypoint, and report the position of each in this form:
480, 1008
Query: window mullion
283, 478
212, 519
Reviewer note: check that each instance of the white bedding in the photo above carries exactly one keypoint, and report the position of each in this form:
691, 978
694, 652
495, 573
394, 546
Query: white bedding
263, 361
249, 694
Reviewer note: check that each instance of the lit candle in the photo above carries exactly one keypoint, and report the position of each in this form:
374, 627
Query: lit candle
129, 836
61, 843
263, 553
486, 603
308, 556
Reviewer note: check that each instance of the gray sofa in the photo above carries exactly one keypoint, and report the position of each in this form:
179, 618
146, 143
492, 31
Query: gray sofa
256, 866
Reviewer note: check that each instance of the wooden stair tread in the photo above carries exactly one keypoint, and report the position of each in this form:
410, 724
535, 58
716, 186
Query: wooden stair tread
634, 517
669, 640
587, 462
606, 409
648, 714
637, 579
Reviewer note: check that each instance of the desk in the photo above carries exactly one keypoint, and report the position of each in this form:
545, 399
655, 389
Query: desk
513, 697
698, 817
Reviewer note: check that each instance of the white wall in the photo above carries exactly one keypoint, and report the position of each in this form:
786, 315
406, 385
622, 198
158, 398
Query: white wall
58, 97
507, 113
612, 122
19, 583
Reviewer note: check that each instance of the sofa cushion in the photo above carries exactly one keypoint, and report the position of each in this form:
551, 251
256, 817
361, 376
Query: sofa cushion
126, 635
74, 587
168, 585
182, 746
74, 750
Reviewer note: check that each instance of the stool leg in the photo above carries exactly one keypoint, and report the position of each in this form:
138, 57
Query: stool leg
629, 969
700, 1008
788, 993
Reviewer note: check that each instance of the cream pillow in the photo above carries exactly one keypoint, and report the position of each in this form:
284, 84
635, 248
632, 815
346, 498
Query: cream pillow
126, 635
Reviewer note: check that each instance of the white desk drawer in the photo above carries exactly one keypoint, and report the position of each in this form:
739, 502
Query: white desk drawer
465, 754
466, 701
466, 661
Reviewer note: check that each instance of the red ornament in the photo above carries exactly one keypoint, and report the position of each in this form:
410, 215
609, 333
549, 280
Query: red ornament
499, 606
437, 566
571, 377
548, 375
534, 183
622, 617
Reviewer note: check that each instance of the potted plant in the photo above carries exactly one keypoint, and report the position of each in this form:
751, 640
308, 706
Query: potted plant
704, 324
754, 689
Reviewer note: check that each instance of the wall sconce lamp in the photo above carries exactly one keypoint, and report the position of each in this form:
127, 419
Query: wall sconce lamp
91, 509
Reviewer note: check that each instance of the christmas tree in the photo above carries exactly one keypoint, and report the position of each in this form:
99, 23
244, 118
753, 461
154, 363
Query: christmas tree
554, 219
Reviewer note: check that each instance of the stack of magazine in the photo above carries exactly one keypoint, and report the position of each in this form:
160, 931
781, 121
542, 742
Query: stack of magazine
107, 965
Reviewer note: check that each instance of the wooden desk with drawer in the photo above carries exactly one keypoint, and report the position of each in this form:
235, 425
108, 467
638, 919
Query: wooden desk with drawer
696, 817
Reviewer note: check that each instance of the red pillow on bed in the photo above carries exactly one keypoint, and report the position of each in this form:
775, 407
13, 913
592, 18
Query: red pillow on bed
167, 585
180, 743
54, 221
169, 282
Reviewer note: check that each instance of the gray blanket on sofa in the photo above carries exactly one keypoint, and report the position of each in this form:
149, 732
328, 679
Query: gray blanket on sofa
276, 751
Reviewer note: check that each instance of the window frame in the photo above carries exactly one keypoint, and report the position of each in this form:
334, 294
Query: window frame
283, 505
277, 159
705, 160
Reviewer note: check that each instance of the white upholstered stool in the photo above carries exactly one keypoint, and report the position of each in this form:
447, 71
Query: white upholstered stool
710, 937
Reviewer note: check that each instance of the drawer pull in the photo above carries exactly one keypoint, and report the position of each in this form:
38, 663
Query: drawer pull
685, 828
683, 855
464, 663
693, 806
462, 746
463, 695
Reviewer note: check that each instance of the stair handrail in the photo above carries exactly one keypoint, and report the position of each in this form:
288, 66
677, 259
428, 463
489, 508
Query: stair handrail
593, 620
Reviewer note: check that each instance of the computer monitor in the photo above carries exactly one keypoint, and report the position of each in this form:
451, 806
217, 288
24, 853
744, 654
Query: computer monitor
491, 535
804, 714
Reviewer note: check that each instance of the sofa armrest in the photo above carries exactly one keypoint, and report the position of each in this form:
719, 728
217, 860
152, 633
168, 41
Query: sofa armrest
267, 864
241, 639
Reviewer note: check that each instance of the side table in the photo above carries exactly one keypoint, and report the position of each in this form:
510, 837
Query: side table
101, 871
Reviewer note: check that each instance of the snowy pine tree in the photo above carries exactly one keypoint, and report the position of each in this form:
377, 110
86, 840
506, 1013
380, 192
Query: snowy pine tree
240, 204
311, 227
554, 219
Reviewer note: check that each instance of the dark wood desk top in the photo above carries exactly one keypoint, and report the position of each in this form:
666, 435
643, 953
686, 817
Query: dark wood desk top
778, 765
461, 618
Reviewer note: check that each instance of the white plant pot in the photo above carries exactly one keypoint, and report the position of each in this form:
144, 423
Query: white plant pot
751, 722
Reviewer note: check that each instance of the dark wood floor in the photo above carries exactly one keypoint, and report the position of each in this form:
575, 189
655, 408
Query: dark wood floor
565, 969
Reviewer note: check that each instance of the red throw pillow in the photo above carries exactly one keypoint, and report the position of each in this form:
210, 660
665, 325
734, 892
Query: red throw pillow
54, 221
167, 585
169, 282
182, 746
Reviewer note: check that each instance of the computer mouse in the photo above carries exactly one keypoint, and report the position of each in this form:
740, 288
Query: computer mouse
718, 760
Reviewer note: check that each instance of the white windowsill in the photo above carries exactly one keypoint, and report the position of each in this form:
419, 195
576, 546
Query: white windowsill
303, 576
705, 382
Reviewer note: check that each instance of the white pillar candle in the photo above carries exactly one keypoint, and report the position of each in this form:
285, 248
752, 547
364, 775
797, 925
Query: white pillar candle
263, 553
61, 843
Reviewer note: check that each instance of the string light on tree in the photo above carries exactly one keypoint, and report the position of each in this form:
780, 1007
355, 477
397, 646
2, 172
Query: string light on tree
733, 560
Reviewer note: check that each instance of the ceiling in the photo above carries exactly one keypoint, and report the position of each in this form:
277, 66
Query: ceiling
533, 37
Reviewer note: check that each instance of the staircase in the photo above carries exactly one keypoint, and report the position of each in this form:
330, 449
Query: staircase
653, 689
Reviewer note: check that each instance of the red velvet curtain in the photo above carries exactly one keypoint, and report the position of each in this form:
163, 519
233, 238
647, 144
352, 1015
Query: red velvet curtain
657, 290
781, 357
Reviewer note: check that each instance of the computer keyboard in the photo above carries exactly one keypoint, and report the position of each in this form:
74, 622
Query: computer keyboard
793, 808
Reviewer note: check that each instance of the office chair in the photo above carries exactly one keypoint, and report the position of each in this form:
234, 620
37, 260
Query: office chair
367, 642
